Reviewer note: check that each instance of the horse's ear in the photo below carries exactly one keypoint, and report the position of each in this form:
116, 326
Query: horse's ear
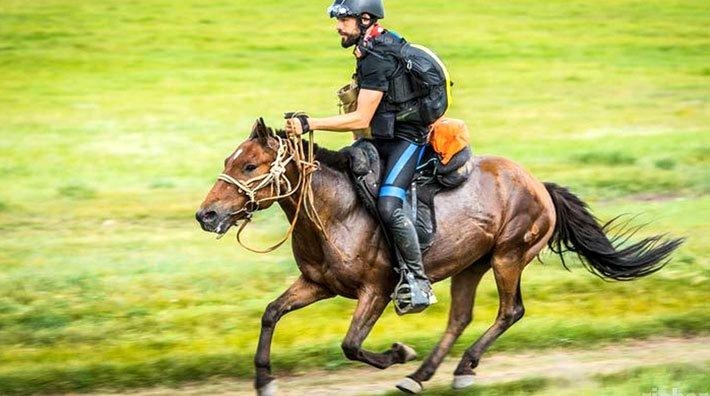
259, 130
268, 132
254, 130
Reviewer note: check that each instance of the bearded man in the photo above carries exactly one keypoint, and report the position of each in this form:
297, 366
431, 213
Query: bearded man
400, 143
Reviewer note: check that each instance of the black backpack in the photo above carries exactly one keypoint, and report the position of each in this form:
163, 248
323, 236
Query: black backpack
421, 88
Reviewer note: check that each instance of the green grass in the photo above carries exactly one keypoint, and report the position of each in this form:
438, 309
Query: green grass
684, 378
115, 117
653, 380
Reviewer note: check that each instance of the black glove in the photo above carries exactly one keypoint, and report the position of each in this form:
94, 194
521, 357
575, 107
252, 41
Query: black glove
301, 117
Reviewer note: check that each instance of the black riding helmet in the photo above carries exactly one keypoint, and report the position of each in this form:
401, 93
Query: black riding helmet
355, 8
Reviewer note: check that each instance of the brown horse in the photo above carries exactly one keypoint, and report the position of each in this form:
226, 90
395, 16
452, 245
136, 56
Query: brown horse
500, 219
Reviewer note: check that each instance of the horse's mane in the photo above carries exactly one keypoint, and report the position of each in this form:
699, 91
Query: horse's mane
335, 160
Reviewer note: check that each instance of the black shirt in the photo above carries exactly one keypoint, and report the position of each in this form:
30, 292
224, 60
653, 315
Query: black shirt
374, 72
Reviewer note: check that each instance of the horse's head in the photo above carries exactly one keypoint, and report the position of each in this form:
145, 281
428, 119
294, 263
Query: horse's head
252, 179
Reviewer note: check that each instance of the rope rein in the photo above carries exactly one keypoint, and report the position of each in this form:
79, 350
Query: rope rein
289, 150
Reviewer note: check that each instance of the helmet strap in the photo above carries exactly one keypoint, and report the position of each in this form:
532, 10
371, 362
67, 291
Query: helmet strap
364, 22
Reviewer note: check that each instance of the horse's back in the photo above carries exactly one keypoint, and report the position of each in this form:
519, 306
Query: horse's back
494, 185
501, 204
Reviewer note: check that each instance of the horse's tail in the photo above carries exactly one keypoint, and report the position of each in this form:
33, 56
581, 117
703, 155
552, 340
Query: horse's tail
578, 231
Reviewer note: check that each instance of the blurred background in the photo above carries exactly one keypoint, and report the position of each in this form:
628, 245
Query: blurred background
115, 117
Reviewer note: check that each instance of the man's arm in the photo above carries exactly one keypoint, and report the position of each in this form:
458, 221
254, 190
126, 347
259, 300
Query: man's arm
367, 102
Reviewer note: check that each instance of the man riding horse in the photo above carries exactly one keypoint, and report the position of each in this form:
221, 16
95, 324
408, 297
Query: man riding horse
498, 219
400, 143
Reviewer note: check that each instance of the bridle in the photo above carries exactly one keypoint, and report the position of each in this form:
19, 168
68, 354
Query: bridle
273, 179
290, 149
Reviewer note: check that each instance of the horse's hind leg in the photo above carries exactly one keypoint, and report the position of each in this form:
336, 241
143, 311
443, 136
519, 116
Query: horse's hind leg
463, 294
369, 308
507, 269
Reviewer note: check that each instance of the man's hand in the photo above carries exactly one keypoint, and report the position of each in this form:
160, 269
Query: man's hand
293, 126
297, 123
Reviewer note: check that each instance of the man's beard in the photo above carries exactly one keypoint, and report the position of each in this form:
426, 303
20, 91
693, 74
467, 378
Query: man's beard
349, 40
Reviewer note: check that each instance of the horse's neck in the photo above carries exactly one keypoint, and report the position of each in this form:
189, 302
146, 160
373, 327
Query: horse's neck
333, 198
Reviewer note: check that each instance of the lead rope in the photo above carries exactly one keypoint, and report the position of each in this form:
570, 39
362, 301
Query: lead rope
309, 167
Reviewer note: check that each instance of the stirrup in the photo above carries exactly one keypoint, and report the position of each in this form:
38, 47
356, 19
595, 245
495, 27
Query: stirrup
408, 297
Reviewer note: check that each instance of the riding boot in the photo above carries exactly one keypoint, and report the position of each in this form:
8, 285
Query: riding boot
405, 238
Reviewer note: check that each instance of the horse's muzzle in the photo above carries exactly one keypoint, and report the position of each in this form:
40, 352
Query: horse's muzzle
213, 220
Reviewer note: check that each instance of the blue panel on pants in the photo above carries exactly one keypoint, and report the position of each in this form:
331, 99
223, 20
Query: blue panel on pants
400, 163
392, 191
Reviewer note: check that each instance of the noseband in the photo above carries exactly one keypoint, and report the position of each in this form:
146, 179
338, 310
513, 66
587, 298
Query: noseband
273, 179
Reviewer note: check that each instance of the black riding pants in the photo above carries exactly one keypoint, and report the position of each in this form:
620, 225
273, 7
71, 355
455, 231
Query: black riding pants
401, 158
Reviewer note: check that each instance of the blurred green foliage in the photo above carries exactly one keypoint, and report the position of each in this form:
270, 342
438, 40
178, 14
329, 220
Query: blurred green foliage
115, 117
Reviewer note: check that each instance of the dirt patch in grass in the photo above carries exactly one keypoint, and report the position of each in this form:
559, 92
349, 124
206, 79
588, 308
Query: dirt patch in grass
570, 365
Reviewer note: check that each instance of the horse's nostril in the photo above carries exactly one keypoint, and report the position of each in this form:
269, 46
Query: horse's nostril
210, 215
206, 217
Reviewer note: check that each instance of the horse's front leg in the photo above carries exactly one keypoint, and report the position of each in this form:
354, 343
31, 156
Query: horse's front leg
369, 308
300, 294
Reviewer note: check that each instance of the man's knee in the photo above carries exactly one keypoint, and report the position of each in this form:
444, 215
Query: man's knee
386, 206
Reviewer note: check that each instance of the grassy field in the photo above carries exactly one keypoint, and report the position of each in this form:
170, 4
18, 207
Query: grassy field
684, 379
115, 117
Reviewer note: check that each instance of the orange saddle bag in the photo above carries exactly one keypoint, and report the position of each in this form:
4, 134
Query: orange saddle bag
448, 136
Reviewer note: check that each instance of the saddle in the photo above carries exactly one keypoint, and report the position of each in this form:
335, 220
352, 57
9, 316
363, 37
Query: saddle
432, 177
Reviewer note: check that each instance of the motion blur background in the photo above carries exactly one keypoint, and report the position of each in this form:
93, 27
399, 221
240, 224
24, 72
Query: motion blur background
115, 117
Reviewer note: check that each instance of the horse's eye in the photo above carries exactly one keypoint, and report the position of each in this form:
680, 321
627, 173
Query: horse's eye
249, 168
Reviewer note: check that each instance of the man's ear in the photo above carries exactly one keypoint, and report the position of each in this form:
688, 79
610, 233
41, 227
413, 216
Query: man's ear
366, 20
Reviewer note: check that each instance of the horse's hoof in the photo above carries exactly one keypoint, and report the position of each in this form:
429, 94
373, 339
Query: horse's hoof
409, 385
407, 352
267, 390
462, 381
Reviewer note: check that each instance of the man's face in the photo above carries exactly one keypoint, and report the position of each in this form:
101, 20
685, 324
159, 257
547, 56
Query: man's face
348, 30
